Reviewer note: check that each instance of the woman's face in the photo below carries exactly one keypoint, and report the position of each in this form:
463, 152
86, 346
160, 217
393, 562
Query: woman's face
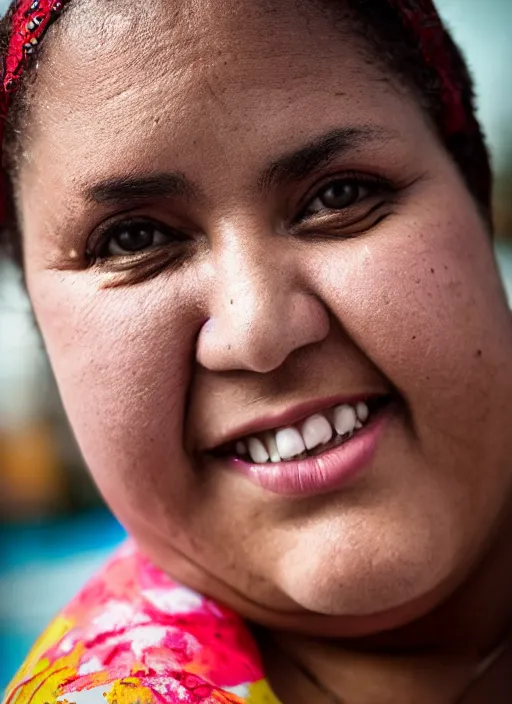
232, 221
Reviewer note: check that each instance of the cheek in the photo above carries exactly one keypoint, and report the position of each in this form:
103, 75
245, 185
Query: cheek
424, 303
121, 357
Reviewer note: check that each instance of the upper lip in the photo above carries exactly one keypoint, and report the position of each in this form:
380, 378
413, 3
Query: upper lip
287, 417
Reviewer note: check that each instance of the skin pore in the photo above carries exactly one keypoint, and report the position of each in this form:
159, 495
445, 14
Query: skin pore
217, 127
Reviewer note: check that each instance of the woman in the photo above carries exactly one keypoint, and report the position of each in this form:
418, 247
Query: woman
257, 240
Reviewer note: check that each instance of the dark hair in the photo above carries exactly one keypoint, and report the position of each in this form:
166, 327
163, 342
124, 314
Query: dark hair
393, 41
390, 40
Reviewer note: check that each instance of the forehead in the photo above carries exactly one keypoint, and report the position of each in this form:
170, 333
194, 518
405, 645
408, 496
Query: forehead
120, 90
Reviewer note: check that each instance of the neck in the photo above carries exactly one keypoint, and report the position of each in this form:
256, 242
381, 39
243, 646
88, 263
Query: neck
432, 659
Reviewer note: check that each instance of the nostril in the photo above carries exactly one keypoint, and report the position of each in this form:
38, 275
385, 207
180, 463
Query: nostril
259, 328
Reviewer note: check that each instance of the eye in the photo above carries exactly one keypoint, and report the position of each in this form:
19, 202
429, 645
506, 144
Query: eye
340, 194
134, 238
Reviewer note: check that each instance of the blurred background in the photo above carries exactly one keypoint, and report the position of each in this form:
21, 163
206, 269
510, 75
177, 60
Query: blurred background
54, 528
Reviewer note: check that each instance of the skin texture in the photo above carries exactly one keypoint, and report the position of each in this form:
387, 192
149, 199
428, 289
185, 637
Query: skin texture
262, 310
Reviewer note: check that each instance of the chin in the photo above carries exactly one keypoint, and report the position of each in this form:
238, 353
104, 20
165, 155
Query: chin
371, 573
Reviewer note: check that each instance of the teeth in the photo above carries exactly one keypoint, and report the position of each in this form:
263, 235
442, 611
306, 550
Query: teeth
362, 411
316, 430
289, 443
241, 448
344, 420
257, 451
270, 442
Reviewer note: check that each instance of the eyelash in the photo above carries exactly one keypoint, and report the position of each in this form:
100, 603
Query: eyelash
373, 184
99, 252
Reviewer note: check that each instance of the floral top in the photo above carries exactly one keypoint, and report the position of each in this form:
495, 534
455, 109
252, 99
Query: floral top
133, 636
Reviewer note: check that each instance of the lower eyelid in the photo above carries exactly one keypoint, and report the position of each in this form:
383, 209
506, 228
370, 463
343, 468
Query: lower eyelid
339, 221
309, 208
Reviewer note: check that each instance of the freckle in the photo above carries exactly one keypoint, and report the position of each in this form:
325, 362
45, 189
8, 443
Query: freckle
229, 347
479, 353
231, 301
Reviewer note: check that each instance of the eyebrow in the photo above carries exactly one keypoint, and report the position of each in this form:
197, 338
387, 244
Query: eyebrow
289, 167
298, 164
127, 188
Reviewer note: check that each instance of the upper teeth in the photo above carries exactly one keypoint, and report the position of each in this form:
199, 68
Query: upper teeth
316, 430
257, 450
345, 418
292, 441
289, 443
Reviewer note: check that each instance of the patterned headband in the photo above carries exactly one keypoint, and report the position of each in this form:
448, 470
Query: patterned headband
31, 18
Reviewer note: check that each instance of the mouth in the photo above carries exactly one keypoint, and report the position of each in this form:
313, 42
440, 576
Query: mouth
312, 437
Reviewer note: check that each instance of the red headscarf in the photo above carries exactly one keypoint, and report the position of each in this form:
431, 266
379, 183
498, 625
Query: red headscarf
30, 19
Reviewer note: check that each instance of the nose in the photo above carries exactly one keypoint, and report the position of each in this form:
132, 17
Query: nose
258, 311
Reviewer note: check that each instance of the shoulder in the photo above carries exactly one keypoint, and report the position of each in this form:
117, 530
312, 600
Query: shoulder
133, 636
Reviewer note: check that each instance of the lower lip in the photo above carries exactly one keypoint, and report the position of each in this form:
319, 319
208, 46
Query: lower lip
320, 474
